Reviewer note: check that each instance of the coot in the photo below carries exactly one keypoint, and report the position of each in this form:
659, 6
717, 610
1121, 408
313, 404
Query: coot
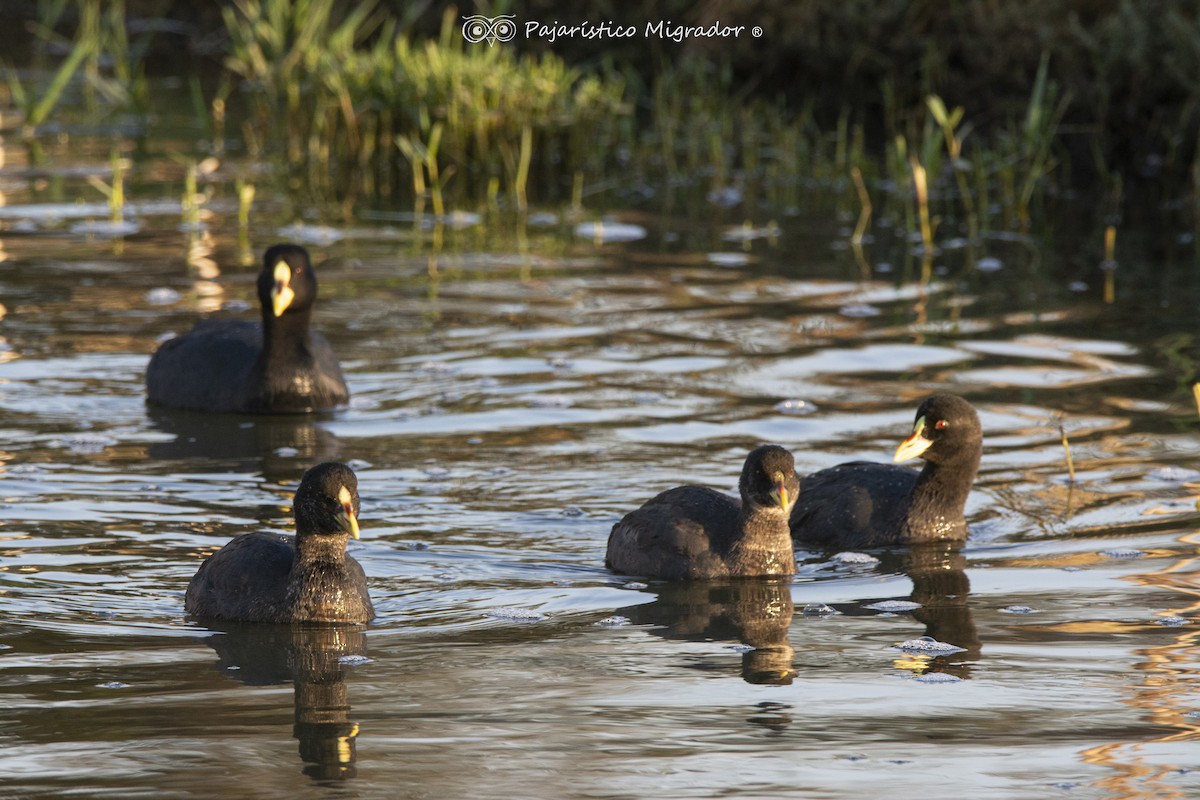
276, 366
864, 504
695, 532
270, 577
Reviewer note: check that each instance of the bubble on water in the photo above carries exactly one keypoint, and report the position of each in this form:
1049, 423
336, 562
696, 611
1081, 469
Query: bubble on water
286, 452
162, 296
1018, 610
615, 621
106, 228
636, 585
514, 614
725, 197
1193, 714
437, 367
1174, 474
929, 645
357, 464
648, 398
604, 232
937, 677
819, 610
859, 310
461, 219
894, 606
1172, 622
543, 219
572, 511
852, 557
84, 443
233, 668
550, 401
989, 264
353, 660
728, 259
436, 473
311, 234
1123, 552
795, 407
742, 648
112, 685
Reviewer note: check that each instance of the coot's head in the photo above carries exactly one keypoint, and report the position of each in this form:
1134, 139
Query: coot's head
947, 428
327, 501
287, 281
769, 479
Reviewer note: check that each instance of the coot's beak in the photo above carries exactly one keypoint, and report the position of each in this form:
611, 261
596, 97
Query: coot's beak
914, 445
281, 293
346, 518
780, 495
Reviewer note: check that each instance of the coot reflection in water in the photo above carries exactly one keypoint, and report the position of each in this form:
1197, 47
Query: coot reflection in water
280, 446
314, 658
942, 588
754, 612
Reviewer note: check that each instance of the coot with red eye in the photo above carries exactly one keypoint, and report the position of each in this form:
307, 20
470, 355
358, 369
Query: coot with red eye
270, 577
864, 504
692, 532
277, 366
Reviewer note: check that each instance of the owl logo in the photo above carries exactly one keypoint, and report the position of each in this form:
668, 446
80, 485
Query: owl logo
479, 28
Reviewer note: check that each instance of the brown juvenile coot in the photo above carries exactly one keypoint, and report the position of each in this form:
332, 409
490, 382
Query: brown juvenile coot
270, 577
695, 532
276, 366
864, 504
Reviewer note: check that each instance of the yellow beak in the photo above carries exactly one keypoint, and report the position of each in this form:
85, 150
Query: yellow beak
281, 293
347, 519
782, 496
914, 445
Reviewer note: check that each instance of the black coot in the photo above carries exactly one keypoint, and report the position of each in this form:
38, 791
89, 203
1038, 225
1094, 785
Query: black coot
278, 366
270, 577
695, 532
863, 504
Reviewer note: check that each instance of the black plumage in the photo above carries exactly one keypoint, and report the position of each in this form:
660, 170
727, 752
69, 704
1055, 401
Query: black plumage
270, 577
275, 366
694, 532
864, 504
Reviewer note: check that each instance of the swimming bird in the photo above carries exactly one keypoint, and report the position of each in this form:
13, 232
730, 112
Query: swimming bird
277, 366
865, 504
695, 532
271, 577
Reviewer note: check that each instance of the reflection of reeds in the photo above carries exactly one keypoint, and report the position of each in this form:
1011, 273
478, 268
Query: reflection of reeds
1109, 264
1067, 452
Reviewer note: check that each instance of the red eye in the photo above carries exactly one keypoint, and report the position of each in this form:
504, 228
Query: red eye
941, 424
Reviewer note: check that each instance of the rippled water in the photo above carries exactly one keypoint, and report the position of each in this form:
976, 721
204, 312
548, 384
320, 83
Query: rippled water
510, 401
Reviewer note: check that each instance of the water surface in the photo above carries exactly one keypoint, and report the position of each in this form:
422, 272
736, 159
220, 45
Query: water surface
512, 397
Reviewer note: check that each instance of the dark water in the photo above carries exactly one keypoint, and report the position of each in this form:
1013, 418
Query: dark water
511, 400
